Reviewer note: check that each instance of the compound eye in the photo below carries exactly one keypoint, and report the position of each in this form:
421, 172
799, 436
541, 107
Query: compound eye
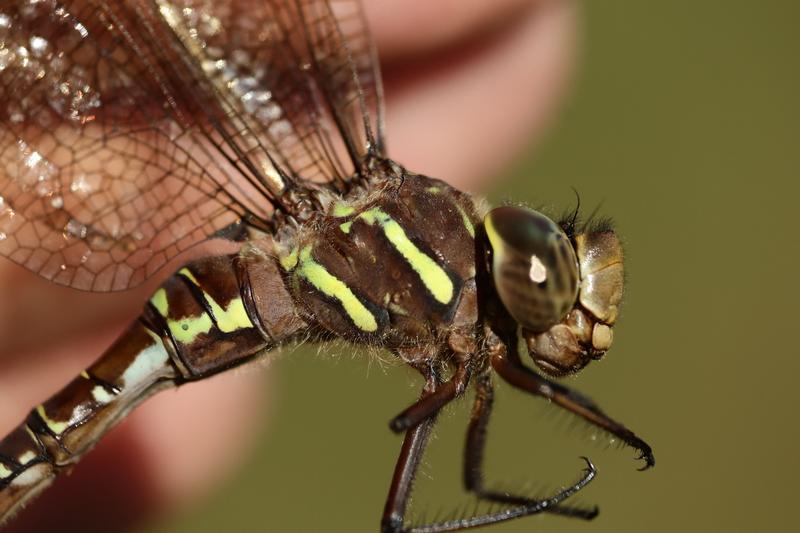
534, 267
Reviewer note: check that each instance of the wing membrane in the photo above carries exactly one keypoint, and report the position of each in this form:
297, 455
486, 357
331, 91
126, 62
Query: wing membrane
130, 131
344, 57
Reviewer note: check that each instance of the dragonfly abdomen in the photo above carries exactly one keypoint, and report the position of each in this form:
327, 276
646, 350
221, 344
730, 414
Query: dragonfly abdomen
57, 433
208, 312
211, 315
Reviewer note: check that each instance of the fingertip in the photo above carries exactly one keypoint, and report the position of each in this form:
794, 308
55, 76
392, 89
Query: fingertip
411, 27
193, 437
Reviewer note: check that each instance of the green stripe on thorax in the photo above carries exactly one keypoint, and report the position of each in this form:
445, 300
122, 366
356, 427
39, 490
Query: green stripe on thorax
467, 222
333, 287
464, 217
288, 260
432, 275
342, 209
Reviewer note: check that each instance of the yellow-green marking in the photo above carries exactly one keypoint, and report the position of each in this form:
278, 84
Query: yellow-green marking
432, 275
232, 317
186, 329
26, 457
333, 287
464, 218
229, 319
289, 261
494, 240
55, 426
341, 209
467, 222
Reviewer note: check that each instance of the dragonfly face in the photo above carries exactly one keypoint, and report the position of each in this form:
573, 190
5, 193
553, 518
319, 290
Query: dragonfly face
131, 131
563, 290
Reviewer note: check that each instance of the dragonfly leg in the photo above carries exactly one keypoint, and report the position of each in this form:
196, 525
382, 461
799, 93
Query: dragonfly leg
509, 366
406, 468
474, 452
430, 404
408, 462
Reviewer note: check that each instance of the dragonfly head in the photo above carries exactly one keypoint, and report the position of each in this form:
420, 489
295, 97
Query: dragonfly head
562, 287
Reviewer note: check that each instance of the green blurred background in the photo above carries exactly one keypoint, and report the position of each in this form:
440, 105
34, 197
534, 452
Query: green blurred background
683, 121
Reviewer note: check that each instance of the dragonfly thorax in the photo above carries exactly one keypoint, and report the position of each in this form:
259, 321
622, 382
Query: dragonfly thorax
394, 268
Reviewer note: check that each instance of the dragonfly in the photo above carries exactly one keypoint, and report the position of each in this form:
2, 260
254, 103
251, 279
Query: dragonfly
132, 131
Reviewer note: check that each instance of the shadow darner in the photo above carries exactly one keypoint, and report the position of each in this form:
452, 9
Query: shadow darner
132, 131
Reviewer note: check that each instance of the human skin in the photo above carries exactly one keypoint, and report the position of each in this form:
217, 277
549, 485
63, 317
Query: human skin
468, 84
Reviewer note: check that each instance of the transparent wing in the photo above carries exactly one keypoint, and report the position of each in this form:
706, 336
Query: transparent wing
346, 60
130, 131
287, 72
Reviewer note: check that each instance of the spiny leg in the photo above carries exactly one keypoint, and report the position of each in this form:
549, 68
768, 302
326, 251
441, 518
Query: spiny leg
431, 403
405, 470
411, 453
508, 364
474, 452
534, 507
394, 523
408, 462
